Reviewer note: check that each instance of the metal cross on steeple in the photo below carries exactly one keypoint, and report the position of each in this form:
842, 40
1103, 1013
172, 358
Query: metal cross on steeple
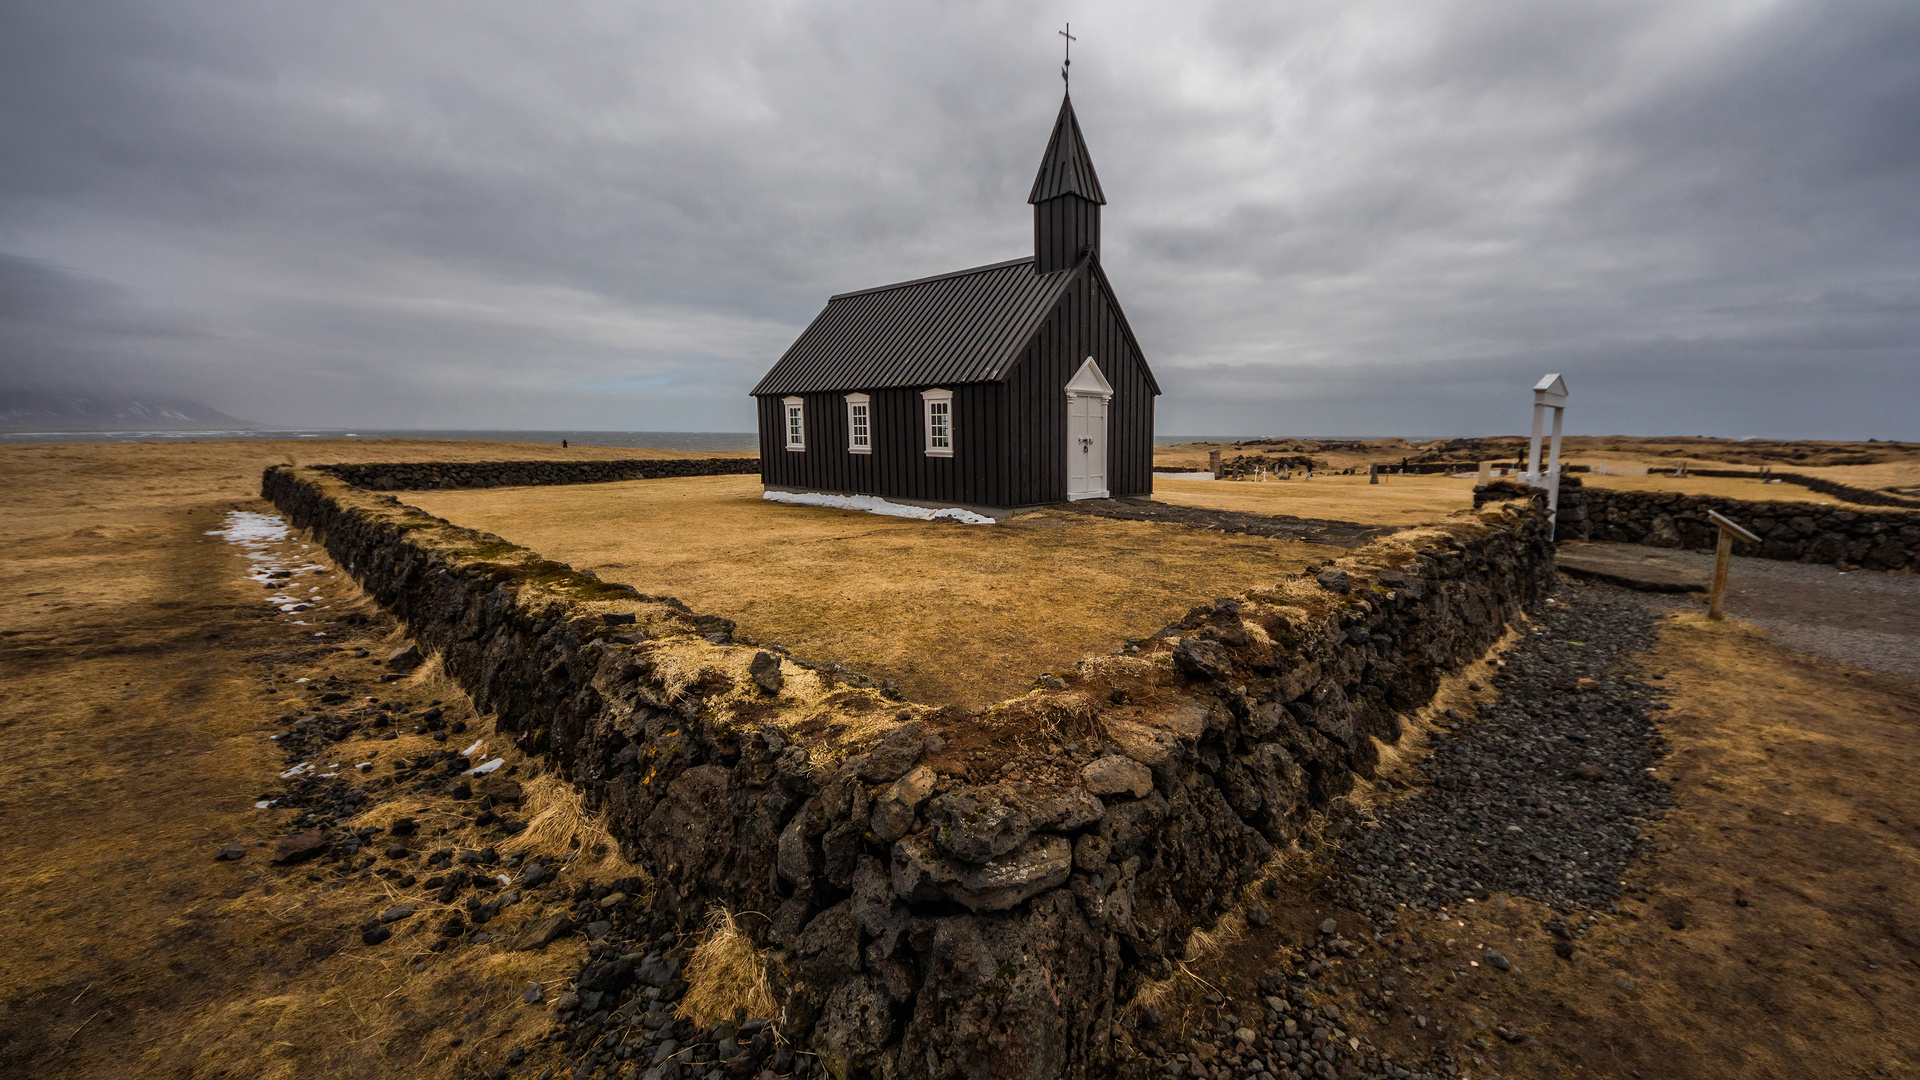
1068, 62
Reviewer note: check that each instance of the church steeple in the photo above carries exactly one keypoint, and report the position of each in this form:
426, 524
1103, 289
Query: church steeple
1066, 198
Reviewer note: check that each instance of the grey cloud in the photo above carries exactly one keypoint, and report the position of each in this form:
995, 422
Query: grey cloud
1365, 216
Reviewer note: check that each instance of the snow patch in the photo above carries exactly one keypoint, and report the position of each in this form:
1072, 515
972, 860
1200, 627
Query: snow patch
873, 504
468, 752
482, 770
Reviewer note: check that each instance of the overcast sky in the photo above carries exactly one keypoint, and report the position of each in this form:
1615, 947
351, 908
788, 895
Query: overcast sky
1325, 217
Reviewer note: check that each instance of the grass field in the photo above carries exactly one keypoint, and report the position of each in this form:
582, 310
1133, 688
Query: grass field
1396, 500
953, 613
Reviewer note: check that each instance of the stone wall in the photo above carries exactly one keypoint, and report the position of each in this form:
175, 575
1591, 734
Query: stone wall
427, 476
1856, 495
1793, 531
947, 893
1798, 531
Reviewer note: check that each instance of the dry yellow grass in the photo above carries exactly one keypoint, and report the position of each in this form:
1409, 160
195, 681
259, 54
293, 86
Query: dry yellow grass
1396, 500
727, 978
557, 820
1725, 486
953, 613
139, 680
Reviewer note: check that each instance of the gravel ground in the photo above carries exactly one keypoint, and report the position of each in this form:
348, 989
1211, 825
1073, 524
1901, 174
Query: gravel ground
1543, 796
1863, 617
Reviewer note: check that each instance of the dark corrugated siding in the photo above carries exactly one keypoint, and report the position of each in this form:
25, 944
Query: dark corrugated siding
1087, 323
1063, 228
1010, 445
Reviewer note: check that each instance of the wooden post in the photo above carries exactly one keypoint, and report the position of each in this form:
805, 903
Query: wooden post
1213, 462
1373, 474
1722, 559
1486, 472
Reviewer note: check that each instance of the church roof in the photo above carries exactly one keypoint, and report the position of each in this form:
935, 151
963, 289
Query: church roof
965, 327
1066, 169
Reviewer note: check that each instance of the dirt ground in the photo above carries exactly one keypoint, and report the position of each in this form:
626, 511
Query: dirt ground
141, 673
1769, 938
965, 614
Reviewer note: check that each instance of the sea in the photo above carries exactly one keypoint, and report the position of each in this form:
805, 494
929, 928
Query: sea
688, 441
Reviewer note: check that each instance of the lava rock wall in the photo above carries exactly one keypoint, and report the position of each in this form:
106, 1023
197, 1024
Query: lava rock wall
432, 475
1792, 531
1859, 496
1797, 531
928, 916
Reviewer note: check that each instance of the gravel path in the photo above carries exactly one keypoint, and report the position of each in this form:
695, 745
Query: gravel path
1545, 795
1862, 617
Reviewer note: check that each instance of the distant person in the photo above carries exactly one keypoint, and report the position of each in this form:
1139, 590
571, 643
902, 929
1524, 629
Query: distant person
563, 444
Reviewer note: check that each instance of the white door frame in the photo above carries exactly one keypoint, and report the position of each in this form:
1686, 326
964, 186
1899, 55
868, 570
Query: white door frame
1089, 384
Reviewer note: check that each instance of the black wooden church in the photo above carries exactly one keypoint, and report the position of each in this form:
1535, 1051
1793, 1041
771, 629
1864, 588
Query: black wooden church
1001, 387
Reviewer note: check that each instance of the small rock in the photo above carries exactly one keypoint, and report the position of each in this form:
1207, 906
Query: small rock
1116, 775
765, 670
1563, 948
1589, 772
534, 993
1051, 682
499, 789
616, 618
406, 826
398, 851
1330, 927
299, 846
1202, 659
897, 753
543, 932
374, 935
1334, 581
404, 659
1498, 960
1257, 915
396, 913
230, 852
1245, 1036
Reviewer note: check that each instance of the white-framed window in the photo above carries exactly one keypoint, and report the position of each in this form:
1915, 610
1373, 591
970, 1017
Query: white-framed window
939, 406
796, 413
859, 424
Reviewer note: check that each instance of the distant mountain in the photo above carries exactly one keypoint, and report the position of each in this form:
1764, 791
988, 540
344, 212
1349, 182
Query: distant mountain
40, 410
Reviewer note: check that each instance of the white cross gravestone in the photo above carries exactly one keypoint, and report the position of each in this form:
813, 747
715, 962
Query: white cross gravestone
1549, 393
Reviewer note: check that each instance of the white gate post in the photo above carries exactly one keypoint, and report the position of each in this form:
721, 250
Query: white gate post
1549, 393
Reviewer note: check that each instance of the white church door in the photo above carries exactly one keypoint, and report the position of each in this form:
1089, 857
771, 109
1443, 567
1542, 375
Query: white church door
1088, 397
